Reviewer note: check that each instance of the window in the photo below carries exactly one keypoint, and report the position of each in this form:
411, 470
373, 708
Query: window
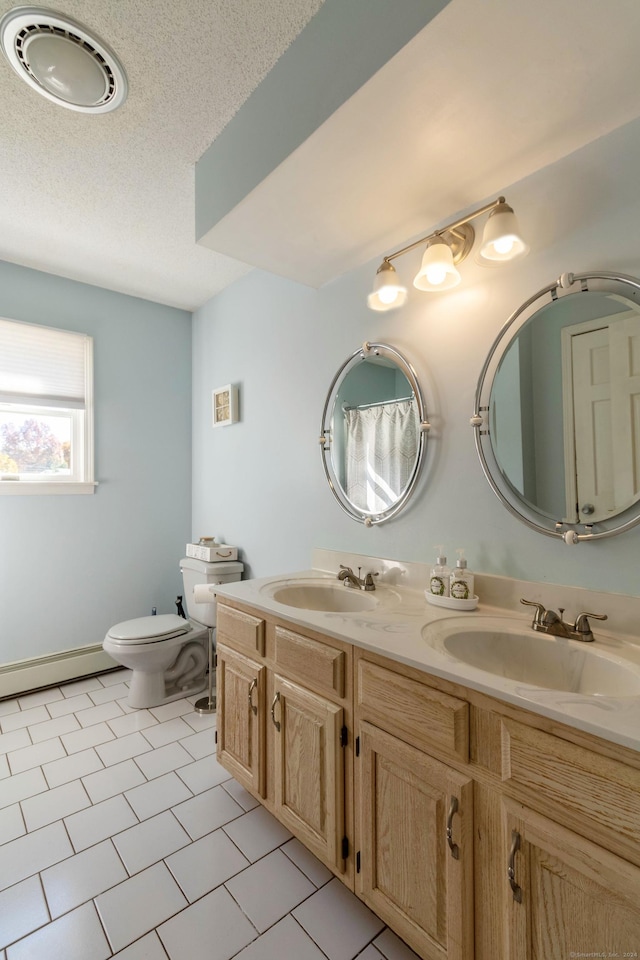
46, 410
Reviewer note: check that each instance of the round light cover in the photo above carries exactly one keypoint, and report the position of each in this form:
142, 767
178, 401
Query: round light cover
388, 293
62, 60
437, 271
502, 239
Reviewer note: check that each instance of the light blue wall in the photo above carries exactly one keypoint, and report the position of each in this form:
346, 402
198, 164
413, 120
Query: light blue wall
260, 482
71, 566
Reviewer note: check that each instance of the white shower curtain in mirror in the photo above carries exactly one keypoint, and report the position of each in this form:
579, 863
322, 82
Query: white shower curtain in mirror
381, 450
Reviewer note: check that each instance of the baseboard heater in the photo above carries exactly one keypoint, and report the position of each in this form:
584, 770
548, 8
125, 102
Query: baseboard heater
22, 676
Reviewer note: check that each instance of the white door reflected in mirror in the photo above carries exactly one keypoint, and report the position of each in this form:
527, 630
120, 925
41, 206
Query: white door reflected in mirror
557, 408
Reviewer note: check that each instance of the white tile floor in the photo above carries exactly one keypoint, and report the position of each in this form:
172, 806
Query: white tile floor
121, 836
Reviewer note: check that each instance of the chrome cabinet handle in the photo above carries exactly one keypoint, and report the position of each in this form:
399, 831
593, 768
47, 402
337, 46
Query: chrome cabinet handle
275, 700
511, 869
453, 809
252, 687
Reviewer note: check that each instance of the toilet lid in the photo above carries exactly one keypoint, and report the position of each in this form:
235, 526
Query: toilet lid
149, 629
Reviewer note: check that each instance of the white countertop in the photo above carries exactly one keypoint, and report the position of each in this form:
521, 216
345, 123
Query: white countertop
395, 631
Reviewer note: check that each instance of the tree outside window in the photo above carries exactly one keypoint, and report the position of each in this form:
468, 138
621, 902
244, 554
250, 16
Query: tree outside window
31, 446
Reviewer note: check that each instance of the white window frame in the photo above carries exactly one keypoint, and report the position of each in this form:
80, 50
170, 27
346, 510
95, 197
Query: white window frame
81, 480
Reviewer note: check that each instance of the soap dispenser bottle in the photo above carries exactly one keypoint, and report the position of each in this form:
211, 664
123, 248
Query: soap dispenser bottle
461, 581
439, 577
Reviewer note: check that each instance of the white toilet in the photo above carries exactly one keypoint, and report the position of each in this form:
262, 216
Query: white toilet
168, 655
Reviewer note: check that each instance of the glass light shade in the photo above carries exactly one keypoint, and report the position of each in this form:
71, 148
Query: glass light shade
388, 293
502, 239
437, 271
66, 70
62, 60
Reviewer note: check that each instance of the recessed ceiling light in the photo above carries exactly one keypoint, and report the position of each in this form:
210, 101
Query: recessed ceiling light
62, 60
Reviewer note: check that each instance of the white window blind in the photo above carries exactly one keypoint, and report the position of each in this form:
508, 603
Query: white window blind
42, 365
46, 410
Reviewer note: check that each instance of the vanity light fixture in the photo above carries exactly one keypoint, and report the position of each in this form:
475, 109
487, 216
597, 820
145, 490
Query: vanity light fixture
501, 241
388, 292
437, 271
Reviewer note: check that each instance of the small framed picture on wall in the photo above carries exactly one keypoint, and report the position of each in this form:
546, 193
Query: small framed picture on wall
225, 406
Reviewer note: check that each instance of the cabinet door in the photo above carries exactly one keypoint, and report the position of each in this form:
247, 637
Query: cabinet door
415, 833
240, 685
308, 765
566, 896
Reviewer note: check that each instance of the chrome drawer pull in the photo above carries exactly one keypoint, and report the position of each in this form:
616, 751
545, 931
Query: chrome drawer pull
453, 809
511, 870
252, 687
276, 723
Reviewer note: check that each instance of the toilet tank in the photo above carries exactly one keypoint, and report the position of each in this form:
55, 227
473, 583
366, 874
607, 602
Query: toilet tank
199, 571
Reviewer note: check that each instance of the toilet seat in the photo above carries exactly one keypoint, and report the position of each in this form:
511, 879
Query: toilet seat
149, 629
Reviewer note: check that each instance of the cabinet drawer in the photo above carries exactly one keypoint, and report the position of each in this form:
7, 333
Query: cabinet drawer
586, 788
321, 666
240, 630
416, 713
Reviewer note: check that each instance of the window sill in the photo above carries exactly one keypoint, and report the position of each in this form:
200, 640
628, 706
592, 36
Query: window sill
22, 488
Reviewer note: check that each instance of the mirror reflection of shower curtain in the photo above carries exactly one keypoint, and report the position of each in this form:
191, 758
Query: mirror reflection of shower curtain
381, 450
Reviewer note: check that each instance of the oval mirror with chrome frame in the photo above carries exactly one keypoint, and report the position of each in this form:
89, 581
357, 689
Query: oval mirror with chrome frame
557, 408
374, 433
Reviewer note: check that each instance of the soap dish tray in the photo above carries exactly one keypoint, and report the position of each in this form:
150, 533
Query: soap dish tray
451, 603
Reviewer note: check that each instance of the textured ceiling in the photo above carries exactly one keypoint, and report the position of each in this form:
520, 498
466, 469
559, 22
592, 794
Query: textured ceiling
484, 95
109, 199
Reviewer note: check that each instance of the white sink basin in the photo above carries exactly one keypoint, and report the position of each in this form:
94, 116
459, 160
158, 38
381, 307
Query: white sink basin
507, 648
328, 596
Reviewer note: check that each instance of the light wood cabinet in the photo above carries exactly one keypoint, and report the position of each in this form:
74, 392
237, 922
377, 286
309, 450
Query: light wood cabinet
593, 794
414, 809
284, 709
429, 719
415, 837
308, 763
243, 631
241, 723
566, 896
475, 829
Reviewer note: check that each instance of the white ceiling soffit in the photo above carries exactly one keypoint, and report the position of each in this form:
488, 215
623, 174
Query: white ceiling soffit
483, 96
335, 54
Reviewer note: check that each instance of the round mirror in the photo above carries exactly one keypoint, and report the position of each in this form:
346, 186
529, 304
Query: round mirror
557, 411
374, 433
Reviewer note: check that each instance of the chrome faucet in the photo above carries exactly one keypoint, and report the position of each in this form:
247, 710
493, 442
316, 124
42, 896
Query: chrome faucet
360, 583
550, 622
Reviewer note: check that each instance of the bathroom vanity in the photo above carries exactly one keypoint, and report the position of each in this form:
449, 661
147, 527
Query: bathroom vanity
478, 816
